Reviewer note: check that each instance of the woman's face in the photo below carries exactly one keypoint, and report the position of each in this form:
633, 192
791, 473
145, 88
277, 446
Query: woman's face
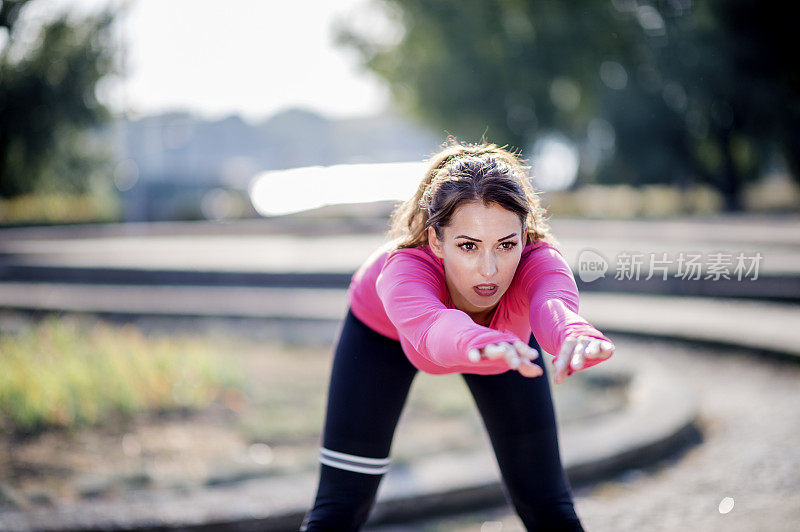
481, 249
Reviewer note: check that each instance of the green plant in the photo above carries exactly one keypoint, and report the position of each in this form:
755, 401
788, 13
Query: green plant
65, 373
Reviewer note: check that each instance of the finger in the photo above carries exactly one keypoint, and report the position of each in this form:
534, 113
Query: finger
526, 351
567, 347
521, 349
561, 374
529, 369
577, 358
474, 355
599, 349
493, 351
563, 359
561, 368
606, 349
511, 355
592, 349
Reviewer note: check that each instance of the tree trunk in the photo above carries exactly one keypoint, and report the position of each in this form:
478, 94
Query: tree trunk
731, 181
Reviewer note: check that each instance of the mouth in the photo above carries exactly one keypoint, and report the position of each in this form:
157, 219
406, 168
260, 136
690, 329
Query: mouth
485, 290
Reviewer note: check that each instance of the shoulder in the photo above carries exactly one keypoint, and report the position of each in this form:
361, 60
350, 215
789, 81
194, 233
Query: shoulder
541, 255
538, 260
421, 257
414, 265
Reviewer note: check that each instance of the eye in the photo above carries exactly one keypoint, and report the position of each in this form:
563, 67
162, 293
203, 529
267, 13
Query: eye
508, 245
468, 246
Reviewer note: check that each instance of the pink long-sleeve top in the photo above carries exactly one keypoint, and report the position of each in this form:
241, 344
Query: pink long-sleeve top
402, 294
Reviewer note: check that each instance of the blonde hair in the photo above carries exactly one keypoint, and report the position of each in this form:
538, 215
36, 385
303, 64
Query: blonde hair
469, 172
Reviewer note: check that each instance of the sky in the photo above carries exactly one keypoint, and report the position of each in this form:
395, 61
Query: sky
247, 57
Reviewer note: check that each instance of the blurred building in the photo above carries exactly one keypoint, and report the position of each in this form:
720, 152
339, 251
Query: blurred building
174, 166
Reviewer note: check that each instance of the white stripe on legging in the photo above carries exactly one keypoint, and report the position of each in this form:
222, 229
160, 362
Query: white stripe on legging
350, 467
353, 458
351, 462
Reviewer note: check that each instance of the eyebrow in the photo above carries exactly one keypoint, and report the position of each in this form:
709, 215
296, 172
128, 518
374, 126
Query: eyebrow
479, 240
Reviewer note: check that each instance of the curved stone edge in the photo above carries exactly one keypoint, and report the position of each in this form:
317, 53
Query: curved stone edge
659, 421
789, 354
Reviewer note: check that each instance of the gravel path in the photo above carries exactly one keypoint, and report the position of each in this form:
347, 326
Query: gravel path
744, 476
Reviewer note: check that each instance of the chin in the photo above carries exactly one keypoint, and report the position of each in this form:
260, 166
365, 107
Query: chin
486, 305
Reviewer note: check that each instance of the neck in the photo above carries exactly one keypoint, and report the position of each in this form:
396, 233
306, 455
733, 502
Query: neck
484, 317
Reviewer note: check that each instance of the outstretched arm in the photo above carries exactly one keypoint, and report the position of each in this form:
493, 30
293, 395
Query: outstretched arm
554, 318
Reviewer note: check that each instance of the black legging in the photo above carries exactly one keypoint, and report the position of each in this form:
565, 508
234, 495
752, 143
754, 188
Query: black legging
369, 384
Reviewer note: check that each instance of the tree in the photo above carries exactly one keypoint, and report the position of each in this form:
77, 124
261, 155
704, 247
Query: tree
714, 83
470, 66
48, 100
693, 91
763, 91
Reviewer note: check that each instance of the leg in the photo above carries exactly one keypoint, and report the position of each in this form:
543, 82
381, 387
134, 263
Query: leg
519, 417
368, 387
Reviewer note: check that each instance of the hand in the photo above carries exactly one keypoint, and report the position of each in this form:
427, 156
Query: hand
575, 351
519, 356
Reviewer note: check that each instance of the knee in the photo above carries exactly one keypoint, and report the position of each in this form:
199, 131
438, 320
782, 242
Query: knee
347, 489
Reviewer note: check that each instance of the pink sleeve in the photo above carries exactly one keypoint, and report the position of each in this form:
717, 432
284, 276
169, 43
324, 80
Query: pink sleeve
553, 296
411, 290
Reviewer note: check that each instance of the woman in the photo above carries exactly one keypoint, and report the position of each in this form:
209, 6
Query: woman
473, 271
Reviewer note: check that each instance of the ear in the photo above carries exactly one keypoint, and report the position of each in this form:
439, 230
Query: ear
434, 243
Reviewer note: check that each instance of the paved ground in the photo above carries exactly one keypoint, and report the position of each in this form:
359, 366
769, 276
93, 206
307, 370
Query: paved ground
749, 418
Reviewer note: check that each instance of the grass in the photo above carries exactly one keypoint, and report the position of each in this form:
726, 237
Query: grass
69, 373
55, 208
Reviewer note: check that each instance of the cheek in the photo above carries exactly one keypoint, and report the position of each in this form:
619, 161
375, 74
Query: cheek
456, 269
510, 267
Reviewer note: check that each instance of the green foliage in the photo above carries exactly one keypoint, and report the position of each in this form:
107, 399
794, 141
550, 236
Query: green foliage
695, 92
59, 209
48, 101
700, 103
473, 66
61, 373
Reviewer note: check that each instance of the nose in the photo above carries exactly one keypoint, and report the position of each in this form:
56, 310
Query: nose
488, 265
